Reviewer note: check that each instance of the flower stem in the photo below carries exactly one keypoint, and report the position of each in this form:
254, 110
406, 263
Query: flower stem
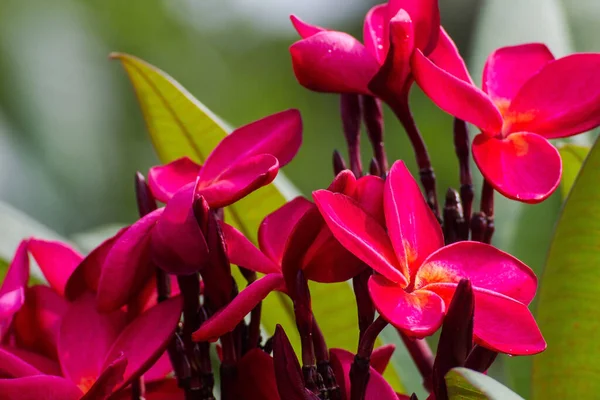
359, 372
364, 304
350, 112
454, 222
373, 118
461, 146
228, 368
422, 356
487, 208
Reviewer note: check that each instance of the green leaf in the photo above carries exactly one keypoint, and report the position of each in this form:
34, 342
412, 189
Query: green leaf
90, 239
572, 159
466, 384
568, 312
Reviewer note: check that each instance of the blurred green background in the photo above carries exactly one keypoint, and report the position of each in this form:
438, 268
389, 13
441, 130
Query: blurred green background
72, 135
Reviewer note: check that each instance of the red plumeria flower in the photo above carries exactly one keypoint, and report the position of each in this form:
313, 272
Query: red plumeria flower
528, 97
280, 236
417, 274
330, 61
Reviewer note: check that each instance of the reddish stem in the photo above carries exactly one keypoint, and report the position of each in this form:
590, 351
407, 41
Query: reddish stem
487, 208
359, 371
461, 146
350, 111
373, 117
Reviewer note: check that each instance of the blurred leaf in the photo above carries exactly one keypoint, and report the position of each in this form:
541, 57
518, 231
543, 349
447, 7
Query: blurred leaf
573, 157
466, 384
90, 239
568, 312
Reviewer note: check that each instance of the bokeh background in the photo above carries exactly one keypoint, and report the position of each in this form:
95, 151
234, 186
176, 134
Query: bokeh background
72, 135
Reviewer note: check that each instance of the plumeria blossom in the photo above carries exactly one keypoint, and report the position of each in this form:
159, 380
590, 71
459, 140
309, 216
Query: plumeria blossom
417, 275
528, 97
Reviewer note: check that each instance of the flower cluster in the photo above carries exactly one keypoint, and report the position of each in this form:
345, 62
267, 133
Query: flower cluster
137, 317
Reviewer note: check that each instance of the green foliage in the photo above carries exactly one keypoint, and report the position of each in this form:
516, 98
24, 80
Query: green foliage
568, 312
466, 384
573, 157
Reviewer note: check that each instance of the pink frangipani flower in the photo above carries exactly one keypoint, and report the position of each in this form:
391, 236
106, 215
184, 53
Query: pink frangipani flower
528, 97
417, 275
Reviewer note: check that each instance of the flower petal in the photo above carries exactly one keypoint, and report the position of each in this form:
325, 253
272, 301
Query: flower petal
165, 389
85, 338
40, 387
177, 243
344, 182
12, 291
279, 135
455, 96
43, 364
508, 68
501, 323
563, 99
276, 228
12, 366
418, 314
425, 15
145, 338
242, 252
358, 232
226, 319
524, 166
239, 180
256, 376
37, 323
166, 180
108, 380
305, 29
56, 260
333, 62
380, 358
127, 265
375, 32
369, 194
447, 57
484, 265
414, 231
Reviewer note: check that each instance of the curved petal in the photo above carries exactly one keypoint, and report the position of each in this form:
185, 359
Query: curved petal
501, 324
360, 234
177, 243
327, 261
333, 62
12, 366
37, 323
40, 387
145, 338
87, 274
12, 291
226, 319
239, 180
381, 356
414, 231
369, 194
418, 314
256, 377
127, 265
159, 370
108, 380
375, 32
524, 166
305, 29
344, 182
484, 265
507, 69
455, 96
276, 228
425, 15
165, 389
563, 99
43, 364
279, 135
166, 180
56, 260
447, 57
85, 338
242, 252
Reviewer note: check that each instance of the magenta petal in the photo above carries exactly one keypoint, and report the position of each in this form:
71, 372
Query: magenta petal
145, 338
414, 231
333, 62
276, 228
305, 29
375, 36
239, 180
226, 319
484, 265
12, 291
56, 260
12, 366
37, 323
360, 233
166, 180
256, 376
242, 252
446, 56
524, 166
425, 15
43, 364
110, 377
40, 387
418, 314
561, 100
279, 135
344, 182
455, 96
127, 266
160, 369
177, 243
507, 69
85, 338
380, 358
369, 194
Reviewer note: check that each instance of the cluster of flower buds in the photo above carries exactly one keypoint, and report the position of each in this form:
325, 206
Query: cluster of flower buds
139, 315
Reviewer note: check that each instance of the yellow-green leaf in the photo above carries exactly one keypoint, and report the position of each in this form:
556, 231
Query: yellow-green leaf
572, 158
466, 384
